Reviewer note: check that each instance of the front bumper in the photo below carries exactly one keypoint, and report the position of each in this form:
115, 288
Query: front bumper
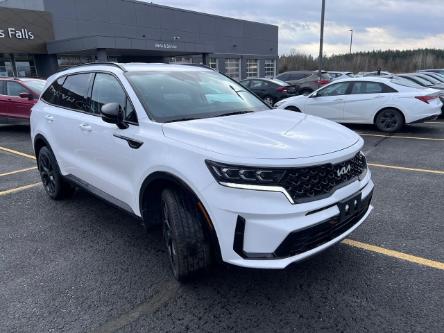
264, 230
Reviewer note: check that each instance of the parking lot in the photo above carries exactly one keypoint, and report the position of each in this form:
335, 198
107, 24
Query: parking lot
82, 265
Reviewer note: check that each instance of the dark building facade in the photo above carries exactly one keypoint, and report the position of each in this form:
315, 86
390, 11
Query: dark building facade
40, 37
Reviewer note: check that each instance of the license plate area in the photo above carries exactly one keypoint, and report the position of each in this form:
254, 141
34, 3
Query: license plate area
350, 207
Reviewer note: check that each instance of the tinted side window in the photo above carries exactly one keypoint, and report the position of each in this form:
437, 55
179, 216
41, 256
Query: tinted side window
74, 94
107, 89
2, 87
54, 91
371, 88
334, 89
254, 84
14, 88
283, 77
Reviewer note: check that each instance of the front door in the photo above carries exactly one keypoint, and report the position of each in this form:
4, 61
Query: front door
328, 102
108, 158
16, 106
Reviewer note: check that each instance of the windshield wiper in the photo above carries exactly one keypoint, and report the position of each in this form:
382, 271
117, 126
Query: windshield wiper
182, 119
232, 113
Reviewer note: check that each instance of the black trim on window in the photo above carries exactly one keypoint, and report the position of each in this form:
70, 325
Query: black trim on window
90, 87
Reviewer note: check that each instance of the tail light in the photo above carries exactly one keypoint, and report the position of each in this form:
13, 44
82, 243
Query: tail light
281, 89
323, 82
426, 99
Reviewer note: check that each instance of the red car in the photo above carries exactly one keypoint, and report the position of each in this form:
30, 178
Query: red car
17, 97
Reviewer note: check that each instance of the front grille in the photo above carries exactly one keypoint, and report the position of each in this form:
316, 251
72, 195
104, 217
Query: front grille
314, 183
305, 240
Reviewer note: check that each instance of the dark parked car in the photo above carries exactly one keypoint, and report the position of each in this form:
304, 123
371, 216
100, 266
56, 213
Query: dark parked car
17, 97
308, 81
270, 90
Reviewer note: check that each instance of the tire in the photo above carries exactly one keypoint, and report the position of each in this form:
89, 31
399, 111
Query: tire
292, 108
269, 100
389, 120
55, 186
188, 249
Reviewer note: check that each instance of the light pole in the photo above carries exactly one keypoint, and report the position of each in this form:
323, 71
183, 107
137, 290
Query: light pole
321, 41
351, 40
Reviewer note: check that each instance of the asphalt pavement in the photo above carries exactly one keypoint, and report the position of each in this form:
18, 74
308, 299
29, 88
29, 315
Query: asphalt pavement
81, 265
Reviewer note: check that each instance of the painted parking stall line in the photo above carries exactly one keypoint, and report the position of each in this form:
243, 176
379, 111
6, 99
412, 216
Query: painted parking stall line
17, 171
15, 152
397, 167
401, 137
395, 254
19, 189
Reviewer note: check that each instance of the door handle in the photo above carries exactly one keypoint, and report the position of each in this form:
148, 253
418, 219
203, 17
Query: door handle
49, 118
86, 127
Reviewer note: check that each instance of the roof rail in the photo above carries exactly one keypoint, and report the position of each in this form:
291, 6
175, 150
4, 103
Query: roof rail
115, 64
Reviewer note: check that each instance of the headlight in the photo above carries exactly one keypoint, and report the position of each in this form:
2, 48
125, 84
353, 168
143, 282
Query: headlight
236, 174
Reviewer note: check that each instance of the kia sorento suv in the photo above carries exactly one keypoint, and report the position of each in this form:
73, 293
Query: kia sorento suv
191, 150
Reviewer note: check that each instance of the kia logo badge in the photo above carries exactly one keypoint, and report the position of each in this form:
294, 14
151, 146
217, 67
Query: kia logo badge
344, 170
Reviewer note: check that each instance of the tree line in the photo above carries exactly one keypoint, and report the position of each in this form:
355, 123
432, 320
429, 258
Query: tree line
395, 61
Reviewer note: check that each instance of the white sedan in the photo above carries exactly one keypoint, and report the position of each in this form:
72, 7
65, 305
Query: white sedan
389, 103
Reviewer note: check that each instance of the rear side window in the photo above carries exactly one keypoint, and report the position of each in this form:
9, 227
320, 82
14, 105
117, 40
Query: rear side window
107, 89
54, 91
371, 88
15, 89
74, 93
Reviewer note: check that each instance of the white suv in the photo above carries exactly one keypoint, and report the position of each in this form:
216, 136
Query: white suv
190, 149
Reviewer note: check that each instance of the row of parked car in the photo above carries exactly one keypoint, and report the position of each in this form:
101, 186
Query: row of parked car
384, 99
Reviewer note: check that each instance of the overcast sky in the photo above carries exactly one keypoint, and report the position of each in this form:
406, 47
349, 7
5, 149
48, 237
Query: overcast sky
377, 24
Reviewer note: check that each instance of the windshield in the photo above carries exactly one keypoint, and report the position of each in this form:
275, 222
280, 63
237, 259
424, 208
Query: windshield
35, 85
184, 95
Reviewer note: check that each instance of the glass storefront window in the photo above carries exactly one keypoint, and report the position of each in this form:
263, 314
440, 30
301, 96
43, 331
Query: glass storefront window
232, 68
212, 63
24, 66
181, 60
252, 68
270, 68
5, 66
66, 61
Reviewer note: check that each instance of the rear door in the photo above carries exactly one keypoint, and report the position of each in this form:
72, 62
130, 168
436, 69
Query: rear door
16, 106
328, 102
365, 99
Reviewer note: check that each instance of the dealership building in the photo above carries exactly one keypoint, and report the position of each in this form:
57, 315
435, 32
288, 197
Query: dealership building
41, 37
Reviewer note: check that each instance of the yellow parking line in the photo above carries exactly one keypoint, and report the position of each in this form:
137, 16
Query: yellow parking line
15, 152
18, 189
438, 172
17, 171
401, 137
395, 254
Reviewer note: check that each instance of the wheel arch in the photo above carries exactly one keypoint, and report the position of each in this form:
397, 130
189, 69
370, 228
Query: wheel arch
386, 108
150, 196
39, 142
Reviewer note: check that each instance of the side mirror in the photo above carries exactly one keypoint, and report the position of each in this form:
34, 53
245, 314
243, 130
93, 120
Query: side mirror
26, 95
112, 113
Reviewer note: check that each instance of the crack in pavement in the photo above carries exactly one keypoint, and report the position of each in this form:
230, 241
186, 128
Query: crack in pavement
166, 292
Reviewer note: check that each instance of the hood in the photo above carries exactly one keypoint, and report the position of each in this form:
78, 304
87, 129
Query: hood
275, 134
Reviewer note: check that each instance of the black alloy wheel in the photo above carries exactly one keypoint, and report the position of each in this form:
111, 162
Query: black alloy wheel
389, 120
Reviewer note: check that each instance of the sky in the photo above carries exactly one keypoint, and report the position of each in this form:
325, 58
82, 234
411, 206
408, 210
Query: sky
376, 24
